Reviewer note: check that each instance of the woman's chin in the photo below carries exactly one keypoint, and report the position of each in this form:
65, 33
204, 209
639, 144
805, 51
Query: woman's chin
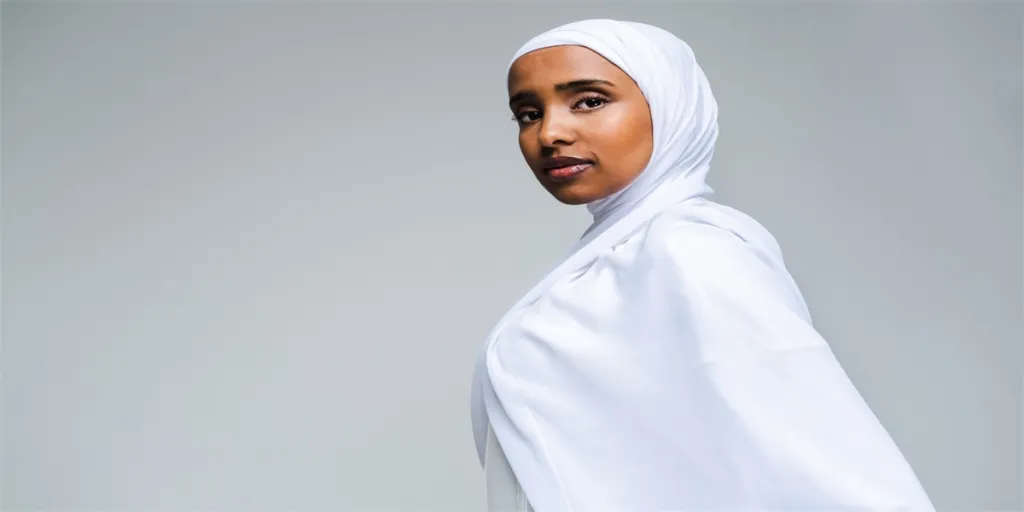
580, 192
571, 195
574, 192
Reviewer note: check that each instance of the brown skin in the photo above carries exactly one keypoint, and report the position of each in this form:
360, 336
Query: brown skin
607, 122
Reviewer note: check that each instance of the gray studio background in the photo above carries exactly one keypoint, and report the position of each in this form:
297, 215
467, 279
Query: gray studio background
250, 249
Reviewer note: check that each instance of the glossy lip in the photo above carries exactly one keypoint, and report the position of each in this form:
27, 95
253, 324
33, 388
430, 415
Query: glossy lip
563, 161
561, 169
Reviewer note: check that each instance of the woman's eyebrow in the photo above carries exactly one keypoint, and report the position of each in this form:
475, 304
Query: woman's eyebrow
576, 84
563, 86
521, 96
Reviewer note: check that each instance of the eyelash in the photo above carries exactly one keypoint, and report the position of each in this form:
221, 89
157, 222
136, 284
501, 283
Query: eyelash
602, 99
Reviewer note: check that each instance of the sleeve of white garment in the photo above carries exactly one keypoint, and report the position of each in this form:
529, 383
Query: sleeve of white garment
681, 373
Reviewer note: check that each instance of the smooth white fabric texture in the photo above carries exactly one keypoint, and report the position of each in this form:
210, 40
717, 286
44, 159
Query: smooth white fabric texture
669, 362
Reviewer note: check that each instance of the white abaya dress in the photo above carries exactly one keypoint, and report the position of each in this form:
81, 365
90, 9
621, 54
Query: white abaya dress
669, 363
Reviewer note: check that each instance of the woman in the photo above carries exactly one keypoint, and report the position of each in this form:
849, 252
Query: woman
669, 362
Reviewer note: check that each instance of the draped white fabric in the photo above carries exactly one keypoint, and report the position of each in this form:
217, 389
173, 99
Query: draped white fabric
669, 362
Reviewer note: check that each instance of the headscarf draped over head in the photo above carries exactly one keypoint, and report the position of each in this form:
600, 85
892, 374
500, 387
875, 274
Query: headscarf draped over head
669, 362
683, 110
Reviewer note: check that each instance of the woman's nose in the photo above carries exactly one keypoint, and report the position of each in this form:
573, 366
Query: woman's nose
556, 129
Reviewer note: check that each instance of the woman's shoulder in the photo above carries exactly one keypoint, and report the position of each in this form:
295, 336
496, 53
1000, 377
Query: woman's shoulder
719, 249
709, 232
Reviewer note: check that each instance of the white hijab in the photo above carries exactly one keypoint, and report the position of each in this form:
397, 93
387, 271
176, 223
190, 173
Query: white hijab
669, 362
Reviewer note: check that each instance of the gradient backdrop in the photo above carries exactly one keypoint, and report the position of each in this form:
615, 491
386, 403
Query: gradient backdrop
250, 249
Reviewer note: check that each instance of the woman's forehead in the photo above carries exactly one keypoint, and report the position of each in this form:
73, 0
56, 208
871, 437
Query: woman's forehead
560, 64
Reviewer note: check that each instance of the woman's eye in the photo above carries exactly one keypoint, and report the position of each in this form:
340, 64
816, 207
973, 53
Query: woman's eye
526, 117
591, 102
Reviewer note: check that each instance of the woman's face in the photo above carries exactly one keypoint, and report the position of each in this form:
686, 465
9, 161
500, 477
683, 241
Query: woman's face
584, 125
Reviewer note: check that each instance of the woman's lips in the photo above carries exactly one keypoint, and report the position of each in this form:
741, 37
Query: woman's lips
565, 168
567, 172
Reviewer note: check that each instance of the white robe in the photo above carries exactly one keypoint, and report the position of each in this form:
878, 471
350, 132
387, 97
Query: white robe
680, 371
669, 363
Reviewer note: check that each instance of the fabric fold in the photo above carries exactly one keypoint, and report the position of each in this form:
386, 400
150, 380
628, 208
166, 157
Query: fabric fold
670, 361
